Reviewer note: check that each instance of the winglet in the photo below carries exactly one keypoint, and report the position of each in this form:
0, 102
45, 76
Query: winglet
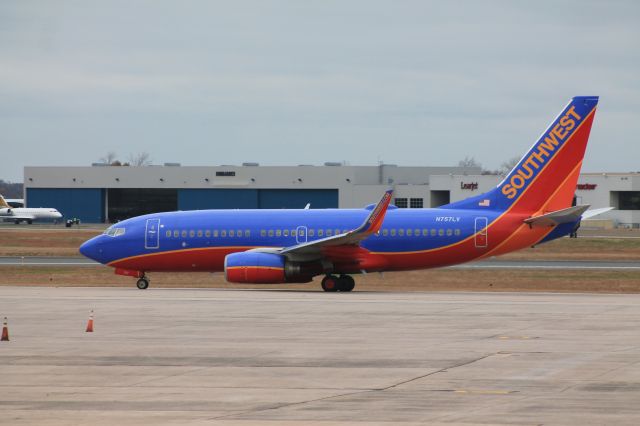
374, 221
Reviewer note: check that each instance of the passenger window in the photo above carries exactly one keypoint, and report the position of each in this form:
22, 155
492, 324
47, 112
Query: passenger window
176, 233
385, 232
199, 233
232, 233
184, 234
393, 232
168, 234
223, 233
312, 232
271, 232
425, 232
409, 232
285, 232
294, 232
247, 233
433, 232
320, 232
239, 234
456, 232
329, 232
192, 233
207, 233
263, 233
416, 232
215, 233
400, 232
440, 232
449, 232
337, 232
278, 232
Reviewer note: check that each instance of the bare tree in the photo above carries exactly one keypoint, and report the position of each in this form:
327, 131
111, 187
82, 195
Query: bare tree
140, 159
109, 158
508, 165
469, 162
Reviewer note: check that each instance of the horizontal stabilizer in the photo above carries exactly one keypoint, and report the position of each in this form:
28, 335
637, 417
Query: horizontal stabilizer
595, 212
558, 217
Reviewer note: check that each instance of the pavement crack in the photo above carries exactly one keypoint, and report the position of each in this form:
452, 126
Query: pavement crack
442, 370
293, 404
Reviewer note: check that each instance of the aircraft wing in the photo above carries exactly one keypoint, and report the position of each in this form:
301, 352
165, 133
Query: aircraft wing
558, 217
370, 226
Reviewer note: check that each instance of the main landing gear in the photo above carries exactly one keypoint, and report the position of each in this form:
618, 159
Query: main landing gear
143, 283
332, 283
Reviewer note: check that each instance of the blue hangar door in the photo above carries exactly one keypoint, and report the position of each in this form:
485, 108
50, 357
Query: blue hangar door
297, 198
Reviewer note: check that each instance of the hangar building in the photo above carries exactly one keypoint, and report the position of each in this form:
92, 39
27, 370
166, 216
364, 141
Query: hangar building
102, 193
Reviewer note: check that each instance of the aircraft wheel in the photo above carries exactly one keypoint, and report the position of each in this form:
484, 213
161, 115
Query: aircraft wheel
29, 222
143, 283
346, 283
330, 283
17, 222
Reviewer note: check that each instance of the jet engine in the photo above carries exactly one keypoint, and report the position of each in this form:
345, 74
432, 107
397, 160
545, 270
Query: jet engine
268, 268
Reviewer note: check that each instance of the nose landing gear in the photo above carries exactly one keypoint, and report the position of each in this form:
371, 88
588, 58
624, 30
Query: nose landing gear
143, 283
331, 283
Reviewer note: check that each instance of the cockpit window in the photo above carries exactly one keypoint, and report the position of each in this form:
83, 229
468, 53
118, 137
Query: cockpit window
114, 232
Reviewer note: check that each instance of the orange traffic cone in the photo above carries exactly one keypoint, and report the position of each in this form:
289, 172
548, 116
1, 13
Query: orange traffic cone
90, 323
5, 331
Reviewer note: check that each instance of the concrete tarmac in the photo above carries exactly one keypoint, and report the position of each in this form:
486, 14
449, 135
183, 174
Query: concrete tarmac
169, 356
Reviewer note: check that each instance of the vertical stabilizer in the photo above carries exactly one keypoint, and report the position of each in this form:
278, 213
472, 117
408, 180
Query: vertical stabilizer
545, 178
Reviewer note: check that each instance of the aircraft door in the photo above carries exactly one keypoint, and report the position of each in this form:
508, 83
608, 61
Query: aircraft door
481, 238
152, 234
301, 234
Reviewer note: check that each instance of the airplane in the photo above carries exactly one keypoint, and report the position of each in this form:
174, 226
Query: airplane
20, 214
532, 205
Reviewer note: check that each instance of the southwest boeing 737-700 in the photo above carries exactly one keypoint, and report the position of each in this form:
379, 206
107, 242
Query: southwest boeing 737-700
532, 205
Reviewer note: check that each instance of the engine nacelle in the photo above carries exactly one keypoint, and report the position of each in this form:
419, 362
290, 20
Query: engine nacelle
267, 268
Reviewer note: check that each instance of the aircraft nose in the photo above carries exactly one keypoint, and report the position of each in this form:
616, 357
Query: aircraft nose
91, 249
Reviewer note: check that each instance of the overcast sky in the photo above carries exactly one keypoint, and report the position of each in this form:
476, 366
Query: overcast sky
290, 82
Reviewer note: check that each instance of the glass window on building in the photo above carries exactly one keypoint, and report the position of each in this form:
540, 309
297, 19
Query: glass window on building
401, 203
416, 203
628, 200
